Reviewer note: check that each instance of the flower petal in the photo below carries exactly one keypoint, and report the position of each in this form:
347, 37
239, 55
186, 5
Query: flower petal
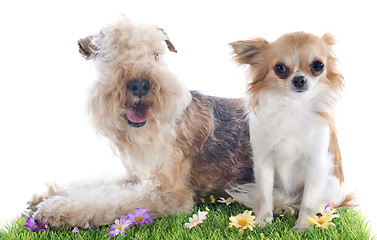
188, 225
250, 227
326, 218
311, 220
139, 211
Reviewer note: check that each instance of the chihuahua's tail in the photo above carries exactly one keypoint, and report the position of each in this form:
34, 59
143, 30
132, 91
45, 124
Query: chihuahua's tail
247, 194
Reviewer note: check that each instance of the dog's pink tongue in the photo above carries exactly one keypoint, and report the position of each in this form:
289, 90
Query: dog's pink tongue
137, 113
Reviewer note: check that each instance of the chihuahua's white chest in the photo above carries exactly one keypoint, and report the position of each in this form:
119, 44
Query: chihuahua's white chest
288, 133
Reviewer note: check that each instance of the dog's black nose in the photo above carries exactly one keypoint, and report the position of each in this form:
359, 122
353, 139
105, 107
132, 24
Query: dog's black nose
299, 81
138, 87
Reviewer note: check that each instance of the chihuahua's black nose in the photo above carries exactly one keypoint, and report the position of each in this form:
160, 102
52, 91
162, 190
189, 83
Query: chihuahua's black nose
138, 87
299, 82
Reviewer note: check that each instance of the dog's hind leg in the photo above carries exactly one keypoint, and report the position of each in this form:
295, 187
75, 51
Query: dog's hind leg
101, 203
54, 189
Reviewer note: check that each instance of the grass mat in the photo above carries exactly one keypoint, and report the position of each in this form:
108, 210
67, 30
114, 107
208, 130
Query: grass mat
350, 225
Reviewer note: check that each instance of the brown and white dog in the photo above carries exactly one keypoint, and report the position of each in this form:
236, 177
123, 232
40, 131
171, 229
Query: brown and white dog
176, 145
294, 84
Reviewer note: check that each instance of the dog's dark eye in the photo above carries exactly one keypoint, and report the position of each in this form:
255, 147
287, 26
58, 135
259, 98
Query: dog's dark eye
317, 68
281, 70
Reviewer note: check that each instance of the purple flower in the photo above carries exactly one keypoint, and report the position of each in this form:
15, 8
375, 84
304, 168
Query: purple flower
33, 225
120, 225
42, 227
75, 230
140, 217
86, 225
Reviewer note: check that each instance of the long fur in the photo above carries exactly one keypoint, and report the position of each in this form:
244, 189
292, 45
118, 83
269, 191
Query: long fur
191, 145
296, 154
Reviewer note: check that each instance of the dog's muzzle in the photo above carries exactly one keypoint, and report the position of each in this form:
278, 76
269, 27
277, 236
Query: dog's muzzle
137, 115
138, 87
300, 83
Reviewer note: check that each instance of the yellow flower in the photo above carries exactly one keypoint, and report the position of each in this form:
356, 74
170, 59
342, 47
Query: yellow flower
262, 235
212, 199
202, 199
207, 209
243, 221
322, 222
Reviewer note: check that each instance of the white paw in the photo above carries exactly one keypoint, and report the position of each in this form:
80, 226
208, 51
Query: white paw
264, 218
301, 226
55, 211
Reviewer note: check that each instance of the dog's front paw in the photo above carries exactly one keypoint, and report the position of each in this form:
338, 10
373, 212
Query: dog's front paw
55, 211
264, 218
301, 226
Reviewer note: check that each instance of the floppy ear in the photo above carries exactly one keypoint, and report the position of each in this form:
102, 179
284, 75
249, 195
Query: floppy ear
328, 38
246, 50
167, 40
87, 48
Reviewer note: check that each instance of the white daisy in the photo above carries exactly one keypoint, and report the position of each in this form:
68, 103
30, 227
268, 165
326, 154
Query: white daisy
196, 219
227, 201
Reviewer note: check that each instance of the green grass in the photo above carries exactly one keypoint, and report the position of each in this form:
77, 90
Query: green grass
350, 225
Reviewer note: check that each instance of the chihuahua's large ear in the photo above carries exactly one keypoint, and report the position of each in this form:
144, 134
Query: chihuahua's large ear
246, 50
167, 40
328, 38
87, 47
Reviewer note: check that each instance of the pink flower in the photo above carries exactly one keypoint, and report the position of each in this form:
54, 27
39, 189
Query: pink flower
330, 210
86, 225
75, 230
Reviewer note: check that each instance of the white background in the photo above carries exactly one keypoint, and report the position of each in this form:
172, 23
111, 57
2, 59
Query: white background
44, 135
